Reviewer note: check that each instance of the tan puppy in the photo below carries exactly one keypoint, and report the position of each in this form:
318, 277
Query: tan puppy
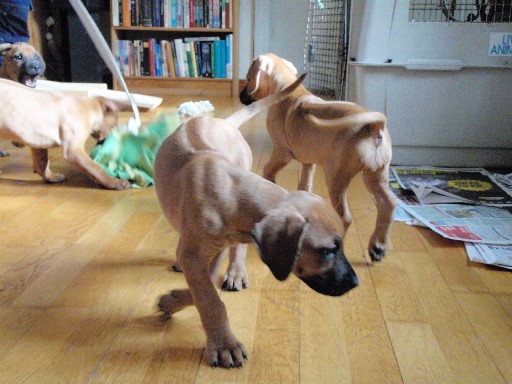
343, 137
21, 63
44, 120
208, 194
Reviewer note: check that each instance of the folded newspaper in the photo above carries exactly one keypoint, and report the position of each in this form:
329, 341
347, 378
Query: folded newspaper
469, 205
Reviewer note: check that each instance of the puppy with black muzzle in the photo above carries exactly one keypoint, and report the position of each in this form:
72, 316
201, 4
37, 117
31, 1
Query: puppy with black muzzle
208, 194
21, 63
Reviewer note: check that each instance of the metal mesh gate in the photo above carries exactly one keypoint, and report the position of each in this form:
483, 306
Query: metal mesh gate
465, 11
326, 48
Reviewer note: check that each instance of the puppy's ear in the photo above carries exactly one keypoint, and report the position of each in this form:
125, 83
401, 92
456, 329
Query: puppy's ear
5, 47
279, 240
261, 66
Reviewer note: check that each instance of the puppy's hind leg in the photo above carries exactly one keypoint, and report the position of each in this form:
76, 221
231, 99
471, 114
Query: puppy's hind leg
378, 185
174, 302
41, 166
306, 177
278, 160
236, 277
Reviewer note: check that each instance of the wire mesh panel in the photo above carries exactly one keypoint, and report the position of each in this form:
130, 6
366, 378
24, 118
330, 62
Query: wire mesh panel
466, 11
326, 48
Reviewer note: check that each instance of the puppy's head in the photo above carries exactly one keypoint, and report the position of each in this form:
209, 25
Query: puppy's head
22, 63
267, 74
107, 120
303, 236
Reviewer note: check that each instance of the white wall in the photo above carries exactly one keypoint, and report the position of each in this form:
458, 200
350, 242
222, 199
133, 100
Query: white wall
279, 27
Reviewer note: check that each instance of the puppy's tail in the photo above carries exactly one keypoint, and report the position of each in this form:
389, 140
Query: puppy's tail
244, 114
373, 122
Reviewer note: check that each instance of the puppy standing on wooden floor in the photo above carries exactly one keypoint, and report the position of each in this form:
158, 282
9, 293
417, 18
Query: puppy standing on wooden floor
207, 192
343, 137
44, 120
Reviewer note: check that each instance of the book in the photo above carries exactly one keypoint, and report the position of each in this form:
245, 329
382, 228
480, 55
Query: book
206, 59
174, 12
189, 59
127, 18
152, 57
174, 59
166, 13
193, 60
115, 13
146, 13
217, 57
179, 57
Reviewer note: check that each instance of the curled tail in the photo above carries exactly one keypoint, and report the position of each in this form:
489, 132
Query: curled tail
244, 114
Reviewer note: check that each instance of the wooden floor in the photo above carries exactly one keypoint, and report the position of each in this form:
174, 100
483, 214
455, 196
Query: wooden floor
81, 269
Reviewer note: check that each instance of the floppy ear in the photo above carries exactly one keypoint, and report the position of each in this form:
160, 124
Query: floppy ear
279, 240
4, 47
261, 66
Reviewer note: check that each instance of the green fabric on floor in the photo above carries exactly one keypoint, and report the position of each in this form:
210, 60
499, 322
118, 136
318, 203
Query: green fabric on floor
126, 156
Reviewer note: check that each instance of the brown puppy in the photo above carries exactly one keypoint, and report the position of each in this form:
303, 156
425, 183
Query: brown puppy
343, 137
22, 63
208, 194
44, 120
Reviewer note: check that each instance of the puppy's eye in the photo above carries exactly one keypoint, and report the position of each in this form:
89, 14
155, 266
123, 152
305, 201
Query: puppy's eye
18, 57
332, 250
36, 57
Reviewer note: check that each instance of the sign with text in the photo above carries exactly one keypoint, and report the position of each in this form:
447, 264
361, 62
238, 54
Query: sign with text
500, 44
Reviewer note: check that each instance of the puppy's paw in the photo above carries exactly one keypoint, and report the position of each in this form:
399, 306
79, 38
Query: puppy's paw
377, 252
54, 178
235, 280
173, 302
117, 184
225, 351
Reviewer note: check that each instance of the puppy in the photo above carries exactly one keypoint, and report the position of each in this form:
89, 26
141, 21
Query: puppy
44, 120
22, 63
207, 192
343, 137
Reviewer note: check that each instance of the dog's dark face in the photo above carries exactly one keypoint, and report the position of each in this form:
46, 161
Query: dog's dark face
303, 237
22, 63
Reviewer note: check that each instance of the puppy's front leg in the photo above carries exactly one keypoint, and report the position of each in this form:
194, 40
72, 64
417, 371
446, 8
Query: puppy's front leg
222, 347
41, 166
80, 159
236, 277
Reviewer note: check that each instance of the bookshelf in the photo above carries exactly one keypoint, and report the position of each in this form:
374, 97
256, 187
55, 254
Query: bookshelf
182, 85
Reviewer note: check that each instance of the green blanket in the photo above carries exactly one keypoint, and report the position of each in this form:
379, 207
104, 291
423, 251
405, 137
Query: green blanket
126, 156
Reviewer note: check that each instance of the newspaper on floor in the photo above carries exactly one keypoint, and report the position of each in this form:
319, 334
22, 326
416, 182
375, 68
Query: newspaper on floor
499, 255
474, 223
433, 185
466, 222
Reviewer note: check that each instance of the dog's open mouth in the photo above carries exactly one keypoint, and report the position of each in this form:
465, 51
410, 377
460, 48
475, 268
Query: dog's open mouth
29, 80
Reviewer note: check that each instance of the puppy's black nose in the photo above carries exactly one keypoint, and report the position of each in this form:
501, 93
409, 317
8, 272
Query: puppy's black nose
245, 98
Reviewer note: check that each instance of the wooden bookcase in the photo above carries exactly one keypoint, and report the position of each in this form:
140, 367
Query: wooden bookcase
162, 86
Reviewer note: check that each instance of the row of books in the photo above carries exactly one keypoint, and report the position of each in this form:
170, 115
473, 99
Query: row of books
173, 13
186, 58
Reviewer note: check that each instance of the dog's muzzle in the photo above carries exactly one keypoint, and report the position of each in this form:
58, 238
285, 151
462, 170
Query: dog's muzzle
338, 280
245, 98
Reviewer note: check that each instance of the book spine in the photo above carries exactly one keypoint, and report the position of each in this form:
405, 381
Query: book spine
115, 13
174, 11
146, 13
127, 18
166, 13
